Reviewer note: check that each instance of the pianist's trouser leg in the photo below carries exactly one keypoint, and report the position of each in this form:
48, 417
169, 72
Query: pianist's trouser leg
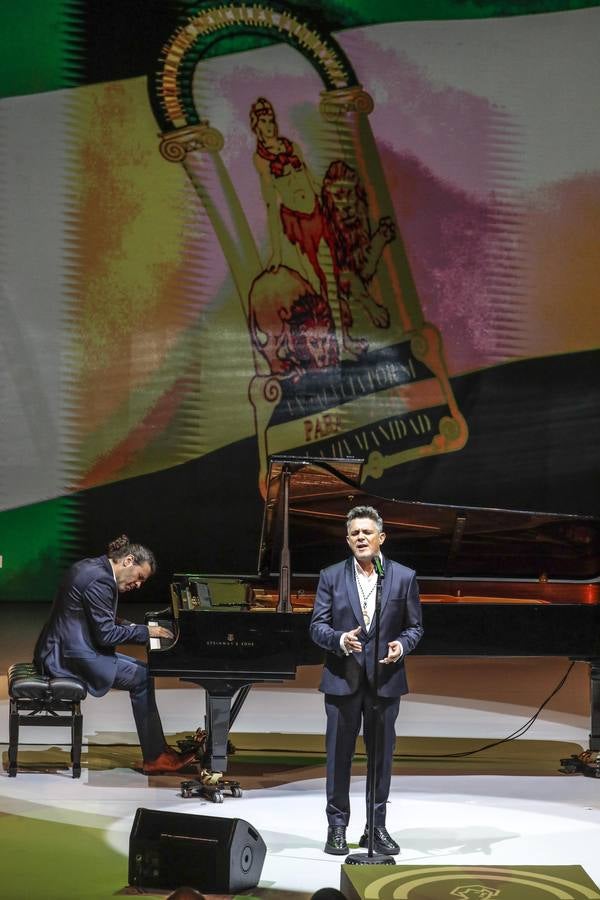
132, 675
344, 716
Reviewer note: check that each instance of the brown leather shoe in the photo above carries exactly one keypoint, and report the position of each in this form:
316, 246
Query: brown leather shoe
168, 761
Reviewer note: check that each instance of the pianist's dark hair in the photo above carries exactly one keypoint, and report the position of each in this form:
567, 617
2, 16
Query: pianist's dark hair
122, 547
364, 512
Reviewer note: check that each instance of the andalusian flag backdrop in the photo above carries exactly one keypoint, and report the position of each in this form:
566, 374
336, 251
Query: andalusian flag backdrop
330, 229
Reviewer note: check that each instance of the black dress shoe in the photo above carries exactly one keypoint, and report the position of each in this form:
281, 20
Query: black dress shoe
336, 840
382, 841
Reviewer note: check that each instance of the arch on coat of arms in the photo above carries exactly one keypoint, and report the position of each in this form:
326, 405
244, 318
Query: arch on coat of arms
170, 87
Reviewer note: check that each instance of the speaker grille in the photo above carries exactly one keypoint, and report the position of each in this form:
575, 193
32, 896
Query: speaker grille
212, 854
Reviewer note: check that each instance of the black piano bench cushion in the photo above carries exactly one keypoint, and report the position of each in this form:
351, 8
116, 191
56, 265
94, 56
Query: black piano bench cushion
26, 683
35, 700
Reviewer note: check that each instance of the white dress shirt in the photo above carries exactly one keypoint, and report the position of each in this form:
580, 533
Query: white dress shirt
366, 588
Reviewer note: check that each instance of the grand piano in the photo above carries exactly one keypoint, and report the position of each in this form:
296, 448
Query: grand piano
493, 582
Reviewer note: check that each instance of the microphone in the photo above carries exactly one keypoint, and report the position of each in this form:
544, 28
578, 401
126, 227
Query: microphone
377, 563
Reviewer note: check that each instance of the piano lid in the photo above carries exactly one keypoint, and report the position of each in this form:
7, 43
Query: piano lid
436, 540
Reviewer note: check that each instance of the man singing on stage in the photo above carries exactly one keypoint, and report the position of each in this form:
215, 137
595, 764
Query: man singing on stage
342, 623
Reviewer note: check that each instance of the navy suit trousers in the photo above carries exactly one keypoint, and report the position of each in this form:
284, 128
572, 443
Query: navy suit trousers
132, 675
344, 715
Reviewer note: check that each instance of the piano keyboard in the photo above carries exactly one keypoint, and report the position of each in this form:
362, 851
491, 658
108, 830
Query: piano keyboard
156, 643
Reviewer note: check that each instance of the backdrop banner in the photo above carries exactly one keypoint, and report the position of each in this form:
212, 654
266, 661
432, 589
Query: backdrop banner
233, 230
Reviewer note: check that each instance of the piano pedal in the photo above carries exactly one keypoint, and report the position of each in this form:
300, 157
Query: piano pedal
212, 786
587, 763
197, 743
194, 742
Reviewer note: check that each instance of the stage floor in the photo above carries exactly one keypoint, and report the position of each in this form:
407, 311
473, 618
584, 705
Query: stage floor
67, 839
509, 806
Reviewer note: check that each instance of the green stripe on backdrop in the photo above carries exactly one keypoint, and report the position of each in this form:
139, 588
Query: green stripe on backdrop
350, 13
42, 42
40, 45
37, 544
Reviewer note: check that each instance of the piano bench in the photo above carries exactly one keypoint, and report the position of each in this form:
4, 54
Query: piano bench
38, 700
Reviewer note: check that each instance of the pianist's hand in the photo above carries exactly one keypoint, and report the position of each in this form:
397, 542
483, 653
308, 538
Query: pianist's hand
159, 632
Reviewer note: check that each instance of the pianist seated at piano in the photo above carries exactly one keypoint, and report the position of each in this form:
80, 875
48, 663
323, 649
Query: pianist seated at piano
343, 625
81, 635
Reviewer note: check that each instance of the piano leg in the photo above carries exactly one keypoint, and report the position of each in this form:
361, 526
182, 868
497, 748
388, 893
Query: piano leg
218, 713
588, 762
220, 716
595, 704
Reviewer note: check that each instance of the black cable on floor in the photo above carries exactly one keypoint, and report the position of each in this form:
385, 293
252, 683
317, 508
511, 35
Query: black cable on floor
511, 737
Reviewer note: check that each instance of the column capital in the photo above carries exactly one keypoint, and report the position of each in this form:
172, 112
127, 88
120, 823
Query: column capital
175, 145
336, 104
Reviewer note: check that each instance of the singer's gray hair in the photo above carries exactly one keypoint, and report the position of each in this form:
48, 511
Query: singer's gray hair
364, 512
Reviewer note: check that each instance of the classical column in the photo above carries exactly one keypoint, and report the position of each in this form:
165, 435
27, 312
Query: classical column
197, 148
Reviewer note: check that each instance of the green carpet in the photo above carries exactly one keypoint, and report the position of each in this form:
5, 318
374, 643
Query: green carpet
54, 861
414, 755
286, 752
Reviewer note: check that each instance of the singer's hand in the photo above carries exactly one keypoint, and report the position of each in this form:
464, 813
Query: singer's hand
394, 653
351, 641
159, 632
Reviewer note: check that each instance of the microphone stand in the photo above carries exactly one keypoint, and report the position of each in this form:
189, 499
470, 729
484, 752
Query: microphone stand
370, 858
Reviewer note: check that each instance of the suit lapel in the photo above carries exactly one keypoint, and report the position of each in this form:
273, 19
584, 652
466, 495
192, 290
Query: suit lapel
352, 590
385, 593
387, 583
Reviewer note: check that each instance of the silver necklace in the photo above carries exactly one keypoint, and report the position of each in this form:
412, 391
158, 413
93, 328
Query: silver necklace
365, 597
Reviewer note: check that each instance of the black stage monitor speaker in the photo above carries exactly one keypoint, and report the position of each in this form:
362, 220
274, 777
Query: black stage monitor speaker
214, 855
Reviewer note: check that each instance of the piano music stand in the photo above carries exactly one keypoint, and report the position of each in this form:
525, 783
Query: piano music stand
370, 858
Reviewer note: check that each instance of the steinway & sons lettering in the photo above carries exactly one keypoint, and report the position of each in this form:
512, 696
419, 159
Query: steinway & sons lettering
234, 643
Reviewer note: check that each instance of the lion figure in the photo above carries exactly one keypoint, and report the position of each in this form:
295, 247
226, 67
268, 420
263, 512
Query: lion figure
290, 325
356, 250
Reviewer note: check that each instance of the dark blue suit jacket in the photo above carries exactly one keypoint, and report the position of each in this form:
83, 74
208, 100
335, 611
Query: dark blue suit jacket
337, 609
82, 633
